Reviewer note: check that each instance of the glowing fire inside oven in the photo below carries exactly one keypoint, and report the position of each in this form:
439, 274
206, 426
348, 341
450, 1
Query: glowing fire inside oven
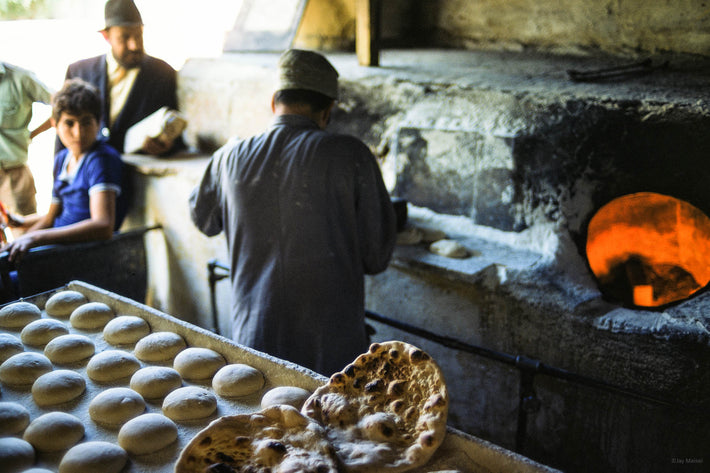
648, 249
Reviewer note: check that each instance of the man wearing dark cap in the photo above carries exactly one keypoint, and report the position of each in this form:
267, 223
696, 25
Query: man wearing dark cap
132, 84
306, 214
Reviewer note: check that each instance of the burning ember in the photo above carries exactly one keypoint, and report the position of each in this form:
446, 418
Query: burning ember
649, 249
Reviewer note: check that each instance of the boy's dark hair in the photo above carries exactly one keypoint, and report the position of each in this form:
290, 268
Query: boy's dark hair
76, 97
316, 100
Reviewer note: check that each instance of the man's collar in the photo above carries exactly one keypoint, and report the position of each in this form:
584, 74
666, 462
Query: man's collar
2, 68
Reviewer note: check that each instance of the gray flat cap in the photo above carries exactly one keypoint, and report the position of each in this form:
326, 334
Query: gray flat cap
300, 69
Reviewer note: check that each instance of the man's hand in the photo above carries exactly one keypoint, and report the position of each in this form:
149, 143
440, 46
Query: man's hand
156, 146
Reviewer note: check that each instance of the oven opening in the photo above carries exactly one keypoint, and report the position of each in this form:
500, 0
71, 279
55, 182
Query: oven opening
649, 250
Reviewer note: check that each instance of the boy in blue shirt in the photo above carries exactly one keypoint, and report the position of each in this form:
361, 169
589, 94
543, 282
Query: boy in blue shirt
86, 197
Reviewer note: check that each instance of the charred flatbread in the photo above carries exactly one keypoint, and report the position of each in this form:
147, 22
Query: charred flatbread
386, 411
278, 438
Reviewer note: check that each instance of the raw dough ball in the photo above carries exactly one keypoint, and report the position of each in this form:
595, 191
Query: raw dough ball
92, 457
449, 249
40, 332
24, 368
18, 314
155, 382
289, 395
15, 454
111, 365
63, 303
91, 316
54, 431
189, 403
430, 235
69, 348
147, 433
14, 418
9, 345
115, 406
159, 346
57, 387
198, 363
409, 236
125, 330
237, 380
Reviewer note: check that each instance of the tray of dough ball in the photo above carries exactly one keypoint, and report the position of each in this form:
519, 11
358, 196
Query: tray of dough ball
91, 381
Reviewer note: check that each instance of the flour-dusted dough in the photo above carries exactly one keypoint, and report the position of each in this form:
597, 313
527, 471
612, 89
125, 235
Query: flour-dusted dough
189, 403
147, 433
14, 418
196, 363
15, 454
154, 382
9, 345
288, 395
61, 304
93, 457
58, 386
159, 346
125, 330
24, 368
237, 380
111, 365
18, 314
91, 316
40, 332
116, 406
449, 249
54, 431
69, 348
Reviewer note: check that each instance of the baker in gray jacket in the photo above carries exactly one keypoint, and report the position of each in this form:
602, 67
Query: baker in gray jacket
306, 214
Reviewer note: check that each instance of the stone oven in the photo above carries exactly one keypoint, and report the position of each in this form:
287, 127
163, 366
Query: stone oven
509, 156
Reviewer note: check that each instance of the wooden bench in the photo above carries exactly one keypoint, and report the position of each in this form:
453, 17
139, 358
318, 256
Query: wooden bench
117, 265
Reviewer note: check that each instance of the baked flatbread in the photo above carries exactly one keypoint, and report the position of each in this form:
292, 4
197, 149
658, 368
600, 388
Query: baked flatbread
278, 438
385, 412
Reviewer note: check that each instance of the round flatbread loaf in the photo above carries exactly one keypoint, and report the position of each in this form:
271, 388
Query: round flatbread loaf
9, 345
111, 365
125, 330
61, 304
15, 454
385, 412
189, 403
159, 346
14, 418
40, 332
92, 457
24, 368
69, 348
147, 433
289, 395
18, 314
154, 382
91, 316
196, 363
276, 439
54, 431
237, 380
58, 386
116, 406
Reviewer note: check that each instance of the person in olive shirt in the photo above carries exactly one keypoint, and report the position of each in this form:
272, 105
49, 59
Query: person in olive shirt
306, 215
19, 90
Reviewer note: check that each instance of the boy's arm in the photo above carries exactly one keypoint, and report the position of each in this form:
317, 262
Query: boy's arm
99, 226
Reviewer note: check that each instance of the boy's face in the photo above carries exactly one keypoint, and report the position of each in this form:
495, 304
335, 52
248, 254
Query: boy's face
126, 44
77, 133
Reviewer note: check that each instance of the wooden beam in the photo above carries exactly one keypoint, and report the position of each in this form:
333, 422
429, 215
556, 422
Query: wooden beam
367, 32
